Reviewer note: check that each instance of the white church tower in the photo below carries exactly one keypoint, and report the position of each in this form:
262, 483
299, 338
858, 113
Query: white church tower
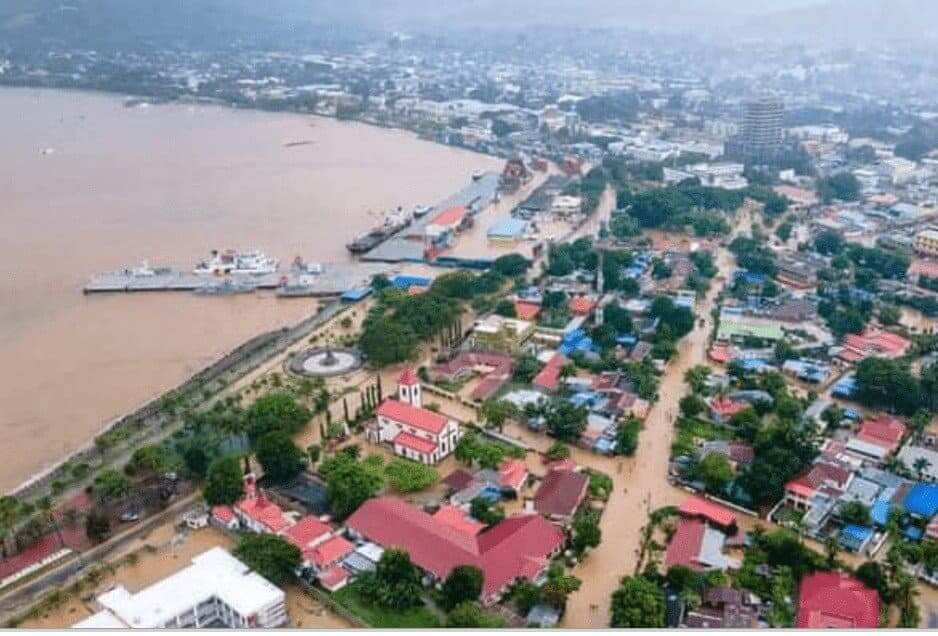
408, 389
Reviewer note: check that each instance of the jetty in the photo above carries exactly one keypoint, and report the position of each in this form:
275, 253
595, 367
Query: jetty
334, 279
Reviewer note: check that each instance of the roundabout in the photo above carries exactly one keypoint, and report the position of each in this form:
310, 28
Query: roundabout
325, 361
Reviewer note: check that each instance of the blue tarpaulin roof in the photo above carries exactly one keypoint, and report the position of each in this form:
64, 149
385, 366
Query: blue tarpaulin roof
355, 294
627, 340
853, 536
508, 228
880, 512
403, 281
922, 500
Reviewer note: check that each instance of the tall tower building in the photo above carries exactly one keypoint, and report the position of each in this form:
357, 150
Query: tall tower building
760, 130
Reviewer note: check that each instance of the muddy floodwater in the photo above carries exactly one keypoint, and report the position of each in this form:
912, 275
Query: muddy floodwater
89, 185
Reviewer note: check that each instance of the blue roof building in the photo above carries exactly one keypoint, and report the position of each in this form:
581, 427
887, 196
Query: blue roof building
854, 538
922, 501
403, 281
510, 229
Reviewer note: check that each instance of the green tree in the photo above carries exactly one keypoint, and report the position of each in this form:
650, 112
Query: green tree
387, 342
269, 555
558, 587
526, 367
692, 405
10, 515
855, 512
586, 532
111, 485
525, 595
715, 472
627, 436
97, 526
558, 451
496, 412
224, 482
842, 185
890, 315
281, 459
696, 377
151, 458
565, 421
637, 603
486, 511
470, 615
277, 411
348, 484
395, 583
511, 265
506, 308
464, 583
405, 476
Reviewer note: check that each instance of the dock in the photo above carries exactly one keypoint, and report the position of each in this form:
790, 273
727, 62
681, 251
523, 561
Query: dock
408, 246
334, 280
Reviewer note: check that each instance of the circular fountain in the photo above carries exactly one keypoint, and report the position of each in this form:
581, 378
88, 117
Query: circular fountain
325, 361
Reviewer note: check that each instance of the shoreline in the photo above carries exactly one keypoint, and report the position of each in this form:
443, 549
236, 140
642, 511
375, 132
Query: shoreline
48, 471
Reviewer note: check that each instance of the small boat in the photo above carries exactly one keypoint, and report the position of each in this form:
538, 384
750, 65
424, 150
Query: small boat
477, 174
421, 211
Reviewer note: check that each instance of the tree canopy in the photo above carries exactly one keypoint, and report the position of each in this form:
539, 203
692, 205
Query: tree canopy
223, 483
277, 411
464, 583
637, 602
269, 555
281, 459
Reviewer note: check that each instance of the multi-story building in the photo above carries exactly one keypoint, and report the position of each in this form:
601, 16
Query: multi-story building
760, 131
413, 431
215, 591
926, 242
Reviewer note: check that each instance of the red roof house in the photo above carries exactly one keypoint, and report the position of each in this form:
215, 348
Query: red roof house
257, 513
512, 473
873, 342
548, 379
884, 431
519, 547
334, 578
306, 533
560, 494
329, 552
836, 600
581, 305
722, 408
698, 507
685, 544
525, 310
819, 476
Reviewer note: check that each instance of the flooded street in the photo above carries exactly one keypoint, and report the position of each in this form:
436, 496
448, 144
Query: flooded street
90, 185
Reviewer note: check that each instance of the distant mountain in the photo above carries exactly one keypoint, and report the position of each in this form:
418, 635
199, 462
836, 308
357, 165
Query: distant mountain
104, 23
851, 22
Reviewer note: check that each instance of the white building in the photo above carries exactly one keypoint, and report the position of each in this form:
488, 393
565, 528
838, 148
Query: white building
415, 432
728, 176
566, 205
216, 591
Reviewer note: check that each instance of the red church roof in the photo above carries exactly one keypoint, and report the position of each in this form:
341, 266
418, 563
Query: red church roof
517, 547
834, 599
414, 443
408, 377
329, 551
423, 419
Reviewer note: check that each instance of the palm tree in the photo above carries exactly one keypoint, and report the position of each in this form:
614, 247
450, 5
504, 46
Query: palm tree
921, 465
45, 506
10, 515
831, 547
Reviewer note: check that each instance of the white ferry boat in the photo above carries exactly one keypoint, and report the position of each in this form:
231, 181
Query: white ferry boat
253, 262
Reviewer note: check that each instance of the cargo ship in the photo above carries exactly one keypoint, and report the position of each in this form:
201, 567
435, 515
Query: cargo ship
392, 223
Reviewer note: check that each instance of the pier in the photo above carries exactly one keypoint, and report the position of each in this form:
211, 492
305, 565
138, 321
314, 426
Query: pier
335, 279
